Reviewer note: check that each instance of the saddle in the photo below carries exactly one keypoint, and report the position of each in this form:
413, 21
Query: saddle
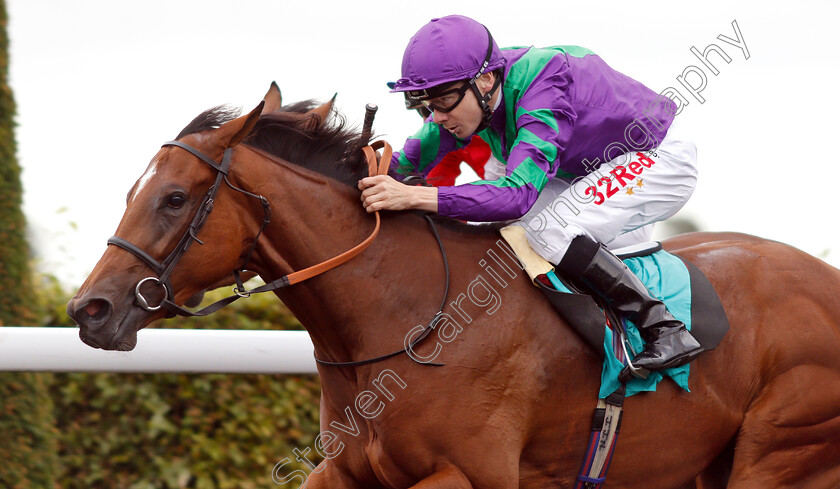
587, 316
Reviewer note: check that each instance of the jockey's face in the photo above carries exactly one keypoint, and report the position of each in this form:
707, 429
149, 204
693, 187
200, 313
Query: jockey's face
463, 120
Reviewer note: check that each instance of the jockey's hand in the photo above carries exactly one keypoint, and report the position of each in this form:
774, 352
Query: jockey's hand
382, 192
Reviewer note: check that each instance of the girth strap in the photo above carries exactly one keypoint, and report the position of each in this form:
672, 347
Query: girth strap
606, 424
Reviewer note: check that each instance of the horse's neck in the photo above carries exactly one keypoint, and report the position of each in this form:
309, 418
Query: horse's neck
366, 307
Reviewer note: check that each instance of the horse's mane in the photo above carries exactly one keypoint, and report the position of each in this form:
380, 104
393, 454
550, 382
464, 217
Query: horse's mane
332, 148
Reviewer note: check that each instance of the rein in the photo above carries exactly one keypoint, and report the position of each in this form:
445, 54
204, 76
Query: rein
428, 329
164, 269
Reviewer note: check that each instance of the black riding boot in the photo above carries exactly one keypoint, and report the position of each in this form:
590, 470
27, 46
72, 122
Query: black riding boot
668, 343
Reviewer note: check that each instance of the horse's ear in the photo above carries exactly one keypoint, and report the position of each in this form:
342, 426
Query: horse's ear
273, 99
318, 115
236, 130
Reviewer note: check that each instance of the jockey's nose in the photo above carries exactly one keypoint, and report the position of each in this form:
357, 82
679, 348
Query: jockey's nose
440, 117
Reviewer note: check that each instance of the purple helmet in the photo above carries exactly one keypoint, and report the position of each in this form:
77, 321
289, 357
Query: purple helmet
445, 50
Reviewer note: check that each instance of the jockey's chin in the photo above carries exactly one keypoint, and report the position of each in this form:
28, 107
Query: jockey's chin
459, 132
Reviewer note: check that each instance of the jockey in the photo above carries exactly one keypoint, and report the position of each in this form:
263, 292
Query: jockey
592, 159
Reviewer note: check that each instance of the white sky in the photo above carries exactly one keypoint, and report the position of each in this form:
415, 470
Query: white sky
100, 84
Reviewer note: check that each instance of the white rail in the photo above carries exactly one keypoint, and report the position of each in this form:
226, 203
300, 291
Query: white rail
160, 350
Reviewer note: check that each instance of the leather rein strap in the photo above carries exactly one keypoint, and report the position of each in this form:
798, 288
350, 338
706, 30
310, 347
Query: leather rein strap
382, 169
374, 168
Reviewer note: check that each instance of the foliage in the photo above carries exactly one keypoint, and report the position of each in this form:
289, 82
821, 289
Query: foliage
27, 435
143, 431
135, 431
14, 266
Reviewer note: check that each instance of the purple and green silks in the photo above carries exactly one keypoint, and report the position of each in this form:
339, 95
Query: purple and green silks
563, 112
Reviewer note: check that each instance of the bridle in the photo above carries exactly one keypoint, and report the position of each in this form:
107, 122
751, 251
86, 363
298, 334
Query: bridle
165, 268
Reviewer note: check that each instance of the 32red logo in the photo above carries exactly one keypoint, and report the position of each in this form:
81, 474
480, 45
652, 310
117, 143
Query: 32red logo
621, 175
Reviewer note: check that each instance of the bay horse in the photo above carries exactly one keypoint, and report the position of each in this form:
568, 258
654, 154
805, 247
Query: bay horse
511, 406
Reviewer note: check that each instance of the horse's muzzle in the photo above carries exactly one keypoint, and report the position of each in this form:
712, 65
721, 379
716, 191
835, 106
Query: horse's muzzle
92, 315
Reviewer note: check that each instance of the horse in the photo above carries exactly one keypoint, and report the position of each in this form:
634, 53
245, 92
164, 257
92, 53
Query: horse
499, 394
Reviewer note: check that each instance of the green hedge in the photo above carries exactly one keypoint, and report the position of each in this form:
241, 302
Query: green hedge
185, 430
14, 251
135, 431
27, 435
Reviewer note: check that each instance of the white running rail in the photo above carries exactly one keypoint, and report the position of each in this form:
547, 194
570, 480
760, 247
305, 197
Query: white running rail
47, 349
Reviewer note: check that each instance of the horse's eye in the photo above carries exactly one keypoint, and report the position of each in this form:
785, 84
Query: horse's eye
176, 201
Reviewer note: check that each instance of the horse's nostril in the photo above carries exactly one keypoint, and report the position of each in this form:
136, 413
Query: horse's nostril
92, 308
95, 310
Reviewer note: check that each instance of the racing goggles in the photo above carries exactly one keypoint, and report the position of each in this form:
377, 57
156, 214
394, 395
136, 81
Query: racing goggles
437, 99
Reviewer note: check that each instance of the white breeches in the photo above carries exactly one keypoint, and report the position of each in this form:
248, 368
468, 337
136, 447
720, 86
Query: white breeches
618, 203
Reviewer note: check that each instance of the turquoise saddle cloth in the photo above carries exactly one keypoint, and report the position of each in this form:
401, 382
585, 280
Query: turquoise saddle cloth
667, 278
